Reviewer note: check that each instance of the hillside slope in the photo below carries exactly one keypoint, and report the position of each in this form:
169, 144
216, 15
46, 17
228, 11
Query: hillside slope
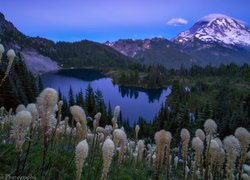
42, 55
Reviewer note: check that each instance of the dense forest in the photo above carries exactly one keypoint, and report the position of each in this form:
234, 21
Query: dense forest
20, 87
66, 140
220, 93
198, 95
159, 76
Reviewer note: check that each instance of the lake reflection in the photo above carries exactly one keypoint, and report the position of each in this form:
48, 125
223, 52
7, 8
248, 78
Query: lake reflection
134, 102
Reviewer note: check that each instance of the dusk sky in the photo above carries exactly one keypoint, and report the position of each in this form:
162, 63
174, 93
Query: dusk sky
102, 20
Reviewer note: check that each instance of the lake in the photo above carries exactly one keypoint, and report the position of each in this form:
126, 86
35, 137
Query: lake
134, 102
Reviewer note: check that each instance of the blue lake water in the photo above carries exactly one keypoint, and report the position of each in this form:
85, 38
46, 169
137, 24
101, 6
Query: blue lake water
134, 102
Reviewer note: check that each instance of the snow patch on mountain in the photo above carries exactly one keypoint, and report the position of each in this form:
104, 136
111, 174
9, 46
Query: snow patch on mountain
212, 17
38, 63
217, 28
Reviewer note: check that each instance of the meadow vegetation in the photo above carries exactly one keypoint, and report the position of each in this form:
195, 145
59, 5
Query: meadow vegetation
37, 141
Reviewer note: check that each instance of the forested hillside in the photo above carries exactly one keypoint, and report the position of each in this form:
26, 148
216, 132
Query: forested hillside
19, 87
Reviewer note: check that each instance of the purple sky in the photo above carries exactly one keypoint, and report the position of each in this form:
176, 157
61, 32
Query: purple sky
101, 20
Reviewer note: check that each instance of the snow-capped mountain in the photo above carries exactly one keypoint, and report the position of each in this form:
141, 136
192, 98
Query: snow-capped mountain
217, 28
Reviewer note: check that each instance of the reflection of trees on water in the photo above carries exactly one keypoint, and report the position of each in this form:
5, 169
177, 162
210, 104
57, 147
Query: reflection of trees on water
133, 92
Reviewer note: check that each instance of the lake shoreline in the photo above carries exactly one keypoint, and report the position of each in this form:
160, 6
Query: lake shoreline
108, 73
135, 102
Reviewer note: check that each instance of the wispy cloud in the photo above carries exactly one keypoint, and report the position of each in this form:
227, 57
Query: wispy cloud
177, 22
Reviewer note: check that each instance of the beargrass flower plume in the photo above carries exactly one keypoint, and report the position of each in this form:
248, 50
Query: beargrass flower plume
150, 148
219, 142
46, 103
115, 117
6, 118
210, 128
244, 137
232, 147
246, 168
154, 160
162, 138
131, 146
150, 152
176, 160
66, 124
140, 146
96, 122
81, 154
101, 134
120, 138
11, 56
100, 130
168, 156
90, 138
59, 114
214, 152
100, 137
80, 116
32, 109
137, 129
1, 51
34, 112
107, 155
245, 176
198, 146
219, 157
185, 138
20, 128
117, 112
187, 170
79, 131
200, 134
20, 107
220, 162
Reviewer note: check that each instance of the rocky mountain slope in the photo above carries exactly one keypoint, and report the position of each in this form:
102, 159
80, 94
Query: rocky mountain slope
12, 38
42, 55
153, 51
215, 39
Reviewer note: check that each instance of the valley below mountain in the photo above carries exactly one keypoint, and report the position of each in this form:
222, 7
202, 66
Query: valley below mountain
215, 39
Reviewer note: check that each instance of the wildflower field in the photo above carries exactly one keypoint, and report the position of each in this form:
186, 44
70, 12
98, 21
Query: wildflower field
37, 142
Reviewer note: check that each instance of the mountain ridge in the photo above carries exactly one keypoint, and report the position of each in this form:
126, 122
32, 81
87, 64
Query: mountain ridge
42, 55
208, 41
193, 46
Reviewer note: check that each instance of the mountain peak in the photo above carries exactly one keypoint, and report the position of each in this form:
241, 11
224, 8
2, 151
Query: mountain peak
212, 17
217, 28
